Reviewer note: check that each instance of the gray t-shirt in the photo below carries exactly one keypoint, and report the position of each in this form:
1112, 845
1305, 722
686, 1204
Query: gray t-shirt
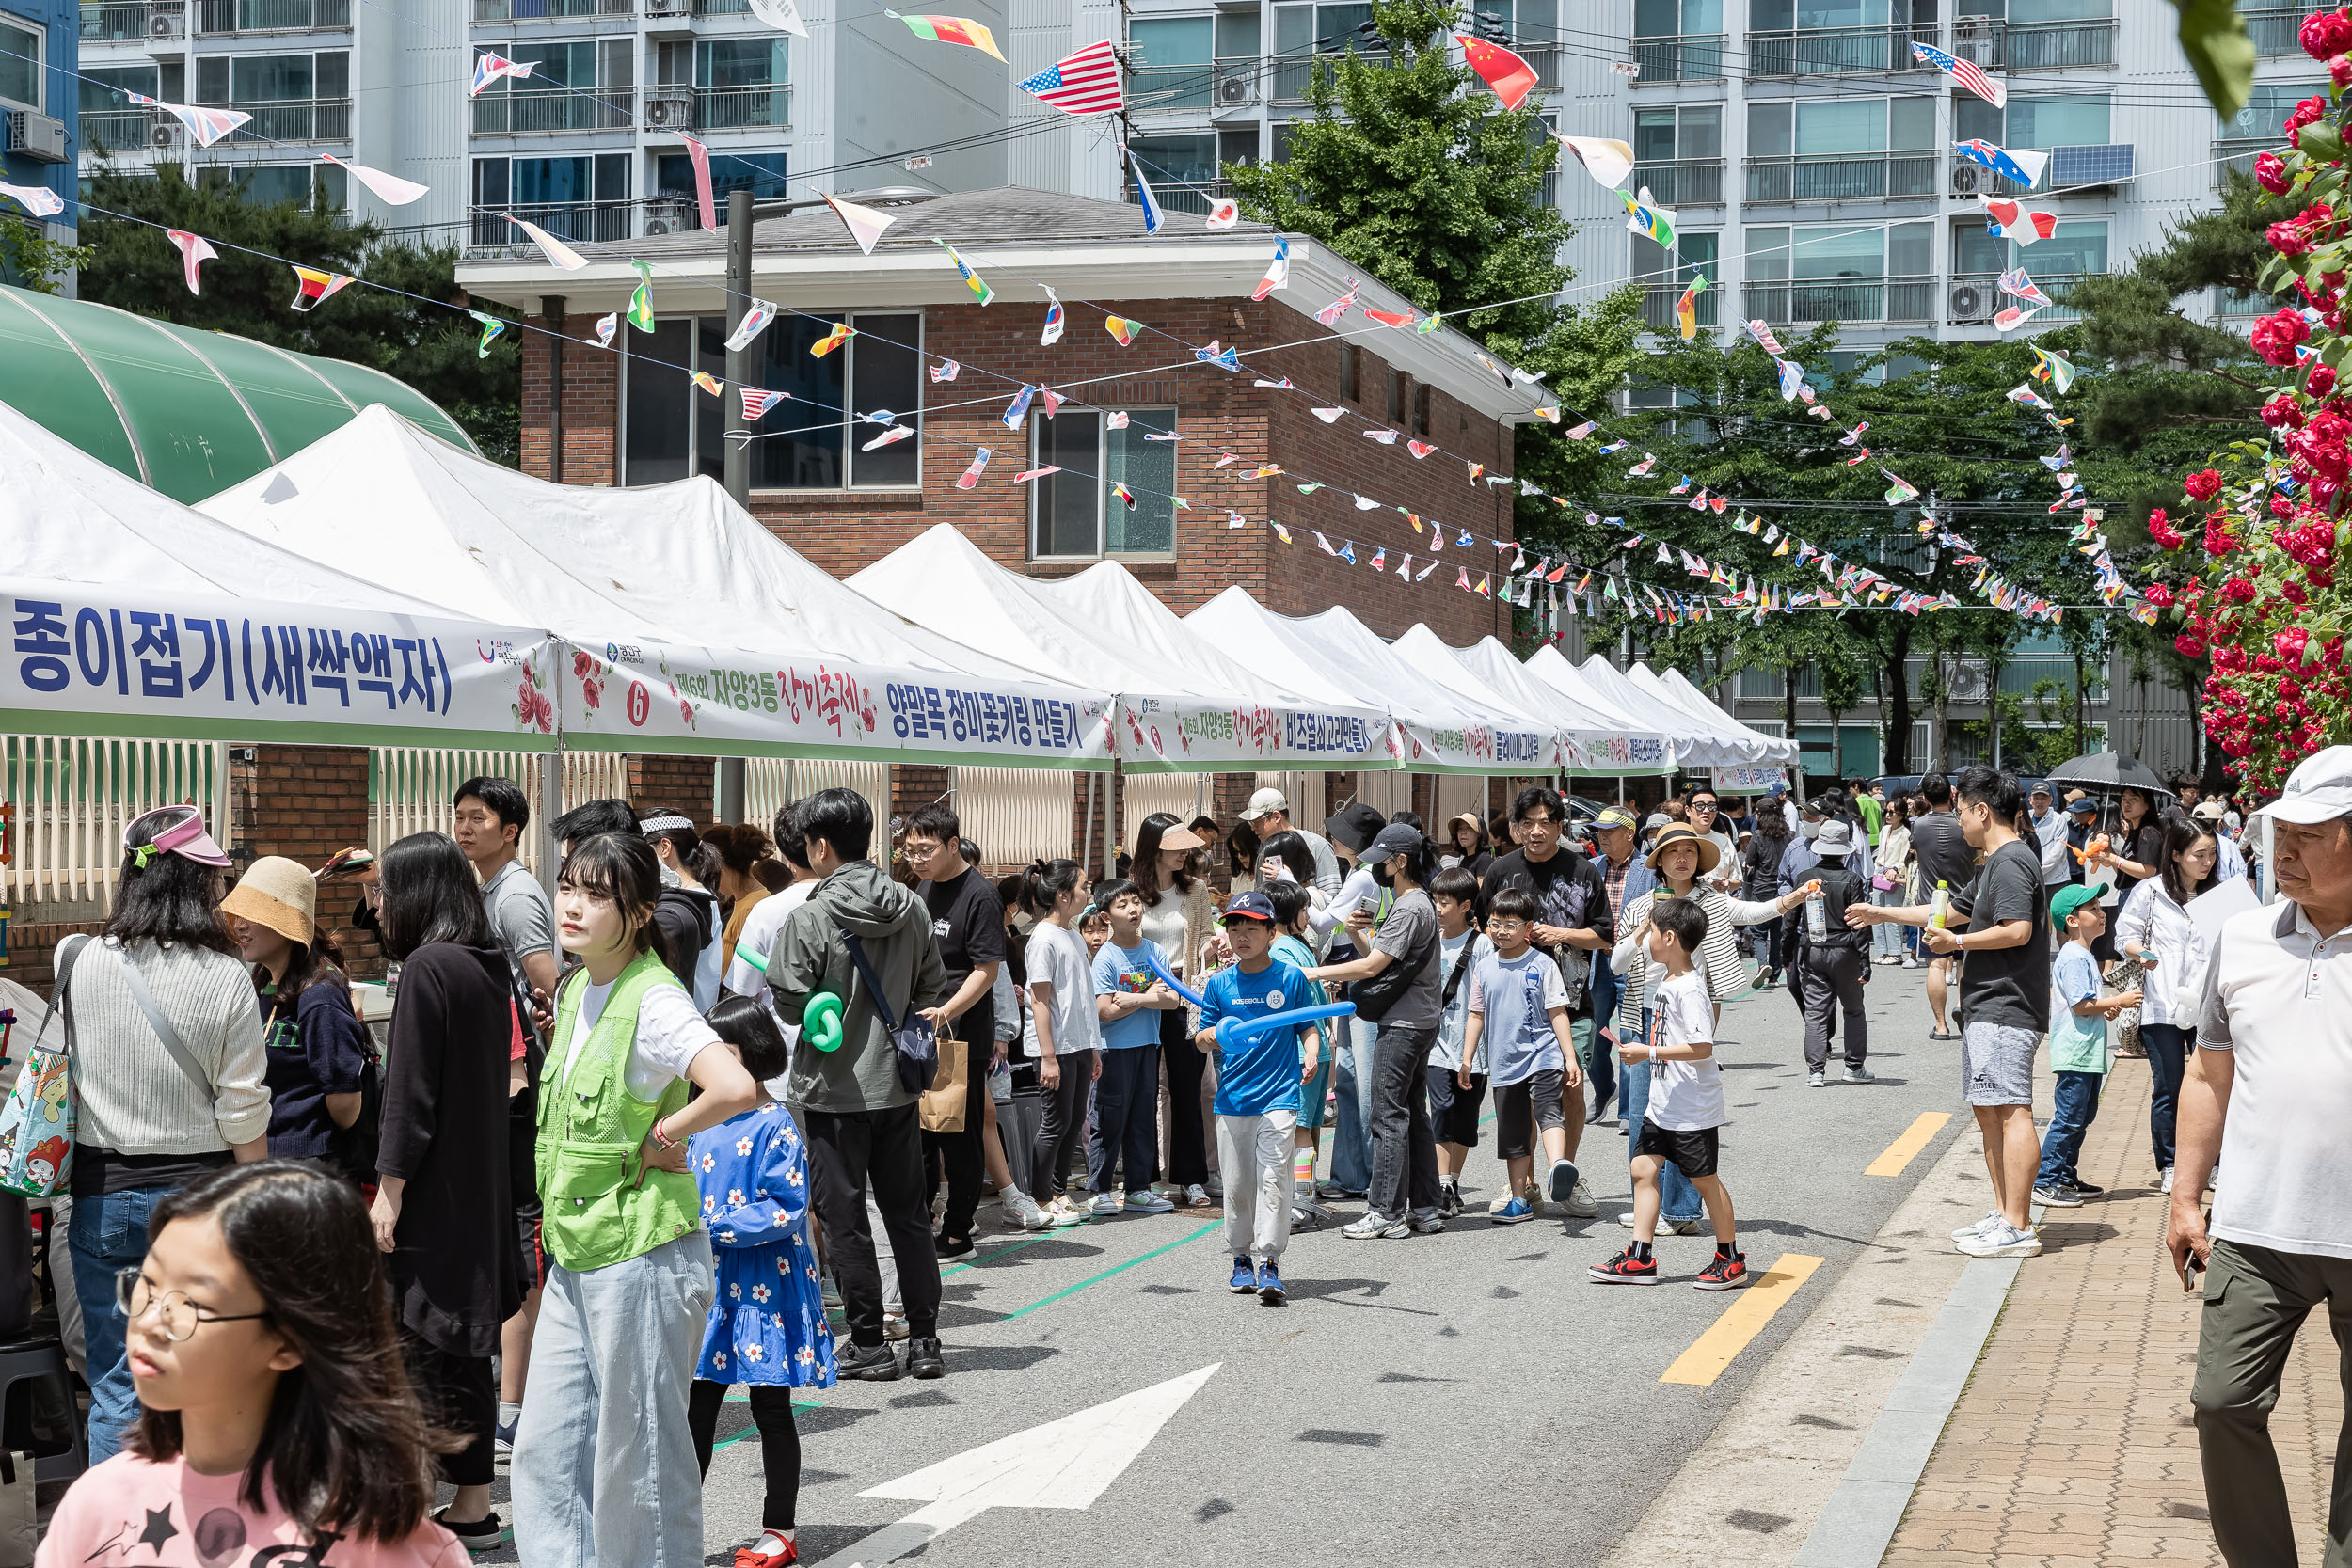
1056, 956
1412, 927
521, 917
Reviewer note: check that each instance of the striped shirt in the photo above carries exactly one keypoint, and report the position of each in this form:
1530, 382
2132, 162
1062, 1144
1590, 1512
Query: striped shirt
1718, 957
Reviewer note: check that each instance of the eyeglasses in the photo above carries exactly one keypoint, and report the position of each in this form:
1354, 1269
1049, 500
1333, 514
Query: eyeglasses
1505, 927
178, 1316
1702, 805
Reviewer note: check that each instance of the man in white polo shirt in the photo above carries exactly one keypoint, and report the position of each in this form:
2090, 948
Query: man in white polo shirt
2269, 1085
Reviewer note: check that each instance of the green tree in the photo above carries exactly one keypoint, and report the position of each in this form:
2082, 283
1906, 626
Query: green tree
418, 334
1407, 165
30, 260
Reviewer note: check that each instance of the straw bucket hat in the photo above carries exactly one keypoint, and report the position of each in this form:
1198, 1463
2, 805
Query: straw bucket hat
280, 894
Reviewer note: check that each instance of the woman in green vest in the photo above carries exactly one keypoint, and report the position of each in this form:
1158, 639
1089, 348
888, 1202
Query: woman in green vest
604, 1429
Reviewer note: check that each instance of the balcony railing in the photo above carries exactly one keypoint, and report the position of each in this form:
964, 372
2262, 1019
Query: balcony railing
293, 120
1697, 58
1999, 45
549, 11
723, 7
2243, 303
2238, 152
224, 18
742, 108
1294, 73
1658, 301
1975, 298
122, 21
584, 221
2275, 27
116, 131
1841, 176
1841, 299
1178, 88
1838, 51
531, 111
2069, 169
1681, 181
1194, 199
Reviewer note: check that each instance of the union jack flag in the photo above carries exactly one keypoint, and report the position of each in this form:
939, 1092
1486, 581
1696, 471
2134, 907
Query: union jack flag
1967, 75
1085, 84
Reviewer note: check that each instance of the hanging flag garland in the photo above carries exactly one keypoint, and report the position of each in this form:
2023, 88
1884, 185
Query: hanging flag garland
953, 29
640, 298
972, 281
193, 248
491, 329
864, 224
315, 287
755, 321
1084, 84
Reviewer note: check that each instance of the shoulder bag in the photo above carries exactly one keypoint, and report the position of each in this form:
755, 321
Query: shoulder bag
1374, 997
36, 1124
914, 1041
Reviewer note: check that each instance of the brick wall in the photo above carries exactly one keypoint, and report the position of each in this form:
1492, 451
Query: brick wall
1217, 412
305, 803
685, 784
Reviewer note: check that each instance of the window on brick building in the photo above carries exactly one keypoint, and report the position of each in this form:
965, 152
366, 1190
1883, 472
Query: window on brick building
1351, 373
1396, 397
672, 429
1073, 516
1421, 410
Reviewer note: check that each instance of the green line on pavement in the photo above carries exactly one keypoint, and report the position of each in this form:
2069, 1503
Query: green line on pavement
1119, 1268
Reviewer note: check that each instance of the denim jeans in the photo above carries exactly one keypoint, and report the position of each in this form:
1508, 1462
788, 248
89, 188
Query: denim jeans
1126, 1119
1886, 939
108, 1235
1354, 1042
2076, 1096
1678, 1199
2168, 1046
604, 1473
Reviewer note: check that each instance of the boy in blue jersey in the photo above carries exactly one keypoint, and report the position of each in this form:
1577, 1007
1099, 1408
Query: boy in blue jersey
1257, 1093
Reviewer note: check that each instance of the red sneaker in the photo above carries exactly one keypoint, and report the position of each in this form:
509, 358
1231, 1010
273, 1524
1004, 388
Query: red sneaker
1724, 1273
751, 1557
1626, 1269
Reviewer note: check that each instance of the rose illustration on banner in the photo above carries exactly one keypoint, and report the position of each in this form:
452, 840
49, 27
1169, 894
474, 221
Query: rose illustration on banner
685, 704
531, 708
591, 673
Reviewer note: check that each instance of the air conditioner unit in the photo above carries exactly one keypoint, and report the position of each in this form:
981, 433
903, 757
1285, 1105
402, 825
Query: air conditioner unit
164, 136
40, 138
1971, 302
669, 8
668, 216
1236, 89
1971, 179
1970, 680
1973, 44
167, 27
670, 111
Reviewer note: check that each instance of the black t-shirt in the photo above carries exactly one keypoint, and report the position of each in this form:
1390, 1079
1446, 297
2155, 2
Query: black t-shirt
1569, 891
968, 925
1943, 853
2007, 985
2143, 846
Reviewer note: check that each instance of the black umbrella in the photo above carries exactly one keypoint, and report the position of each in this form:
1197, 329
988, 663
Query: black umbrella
2106, 772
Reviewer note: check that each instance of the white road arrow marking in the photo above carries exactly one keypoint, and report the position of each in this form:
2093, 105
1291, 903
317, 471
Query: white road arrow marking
1064, 1463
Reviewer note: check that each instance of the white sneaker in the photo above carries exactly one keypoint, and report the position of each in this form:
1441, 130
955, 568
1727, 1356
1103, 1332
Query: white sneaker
1913, 963
1147, 1203
1859, 1075
1581, 1204
2003, 1240
1105, 1203
1215, 1185
1022, 1213
1992, 1218
1062, 1213
1197, 1197
895, 1326
2164, 1183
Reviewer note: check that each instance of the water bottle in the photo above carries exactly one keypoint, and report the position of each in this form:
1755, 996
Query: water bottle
1816, 915
1943, 905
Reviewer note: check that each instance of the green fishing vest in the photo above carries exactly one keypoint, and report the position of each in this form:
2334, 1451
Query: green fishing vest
601, 1205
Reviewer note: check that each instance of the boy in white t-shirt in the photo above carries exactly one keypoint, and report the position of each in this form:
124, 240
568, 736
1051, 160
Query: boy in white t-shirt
1686, 1104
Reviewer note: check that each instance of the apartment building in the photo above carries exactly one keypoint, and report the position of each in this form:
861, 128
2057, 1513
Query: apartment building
38, 129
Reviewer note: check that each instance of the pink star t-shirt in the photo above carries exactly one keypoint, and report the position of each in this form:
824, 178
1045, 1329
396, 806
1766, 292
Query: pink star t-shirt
131, 1510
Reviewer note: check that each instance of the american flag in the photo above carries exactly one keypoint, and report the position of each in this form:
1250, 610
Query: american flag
1962, 71
1085, 84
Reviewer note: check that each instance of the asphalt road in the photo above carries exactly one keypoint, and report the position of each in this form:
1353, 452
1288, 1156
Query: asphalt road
1469, 1392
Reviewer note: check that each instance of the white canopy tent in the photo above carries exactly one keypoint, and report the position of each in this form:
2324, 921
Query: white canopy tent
1182, 706
1695, 744
1335, 653
1592, 741
1649, 751
1538, 747
635, 581
1732, 744
134, 616
1776, 748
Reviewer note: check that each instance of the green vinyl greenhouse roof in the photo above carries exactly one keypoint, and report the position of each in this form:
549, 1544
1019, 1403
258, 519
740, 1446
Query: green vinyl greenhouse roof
187, 413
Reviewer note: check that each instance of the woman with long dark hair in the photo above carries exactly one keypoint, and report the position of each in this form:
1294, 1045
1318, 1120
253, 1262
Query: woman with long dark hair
2154, 930
2136, 846
605, 1473
1241, 857
274, 1406
155, 1112
321, 1062
1179, 915
444, 1212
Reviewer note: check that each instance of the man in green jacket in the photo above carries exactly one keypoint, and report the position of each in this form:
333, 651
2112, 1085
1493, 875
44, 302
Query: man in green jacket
859, 1121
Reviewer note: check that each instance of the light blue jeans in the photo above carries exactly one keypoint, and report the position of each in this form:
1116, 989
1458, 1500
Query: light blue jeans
605, 1474
1677, 1199
108, 1235
1886, 941
1354, 1080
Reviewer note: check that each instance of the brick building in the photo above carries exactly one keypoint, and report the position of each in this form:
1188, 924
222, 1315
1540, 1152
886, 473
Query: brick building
593, 417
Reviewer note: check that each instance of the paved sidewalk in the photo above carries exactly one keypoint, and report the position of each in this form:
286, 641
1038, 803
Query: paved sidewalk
2072, 1444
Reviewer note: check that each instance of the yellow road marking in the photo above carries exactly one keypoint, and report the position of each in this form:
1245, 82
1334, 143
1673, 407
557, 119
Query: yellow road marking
1741, 1321
1905, 1148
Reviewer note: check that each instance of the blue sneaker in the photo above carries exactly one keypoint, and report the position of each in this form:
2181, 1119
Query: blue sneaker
1563, 1182
1245, 1277
1269, 1284
1514, 1212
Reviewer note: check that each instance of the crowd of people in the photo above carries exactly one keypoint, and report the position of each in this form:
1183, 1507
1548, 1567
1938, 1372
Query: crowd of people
639, 1143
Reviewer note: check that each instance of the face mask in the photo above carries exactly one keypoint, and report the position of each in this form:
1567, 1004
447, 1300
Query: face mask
1809, 829
671, 879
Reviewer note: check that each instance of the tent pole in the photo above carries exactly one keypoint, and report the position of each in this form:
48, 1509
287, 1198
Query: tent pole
734, 786
1086, 845
543, 822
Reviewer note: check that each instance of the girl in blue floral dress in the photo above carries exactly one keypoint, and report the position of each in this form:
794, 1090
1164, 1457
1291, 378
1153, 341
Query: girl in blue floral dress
767, 1327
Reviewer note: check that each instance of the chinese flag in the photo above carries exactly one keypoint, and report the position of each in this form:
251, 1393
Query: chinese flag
1510, 76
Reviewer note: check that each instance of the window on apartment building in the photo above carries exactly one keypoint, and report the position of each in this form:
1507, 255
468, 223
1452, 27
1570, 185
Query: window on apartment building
1829, 252
110, 123
273, 79
762, 174
2055, 11
1285, 133
1781, 16
2077, 245
1666, 273
272, 185
1171, 56
1323, 28
1655, 18
1171, 163
671, 430
1237, 144
2266, 108
2074, 120
741, 83
1351, 374
580, 197
1073, 516
1668, 135
1396, 397
19, 67
1829, 126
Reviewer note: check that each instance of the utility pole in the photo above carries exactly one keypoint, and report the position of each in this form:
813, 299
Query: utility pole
733, 773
